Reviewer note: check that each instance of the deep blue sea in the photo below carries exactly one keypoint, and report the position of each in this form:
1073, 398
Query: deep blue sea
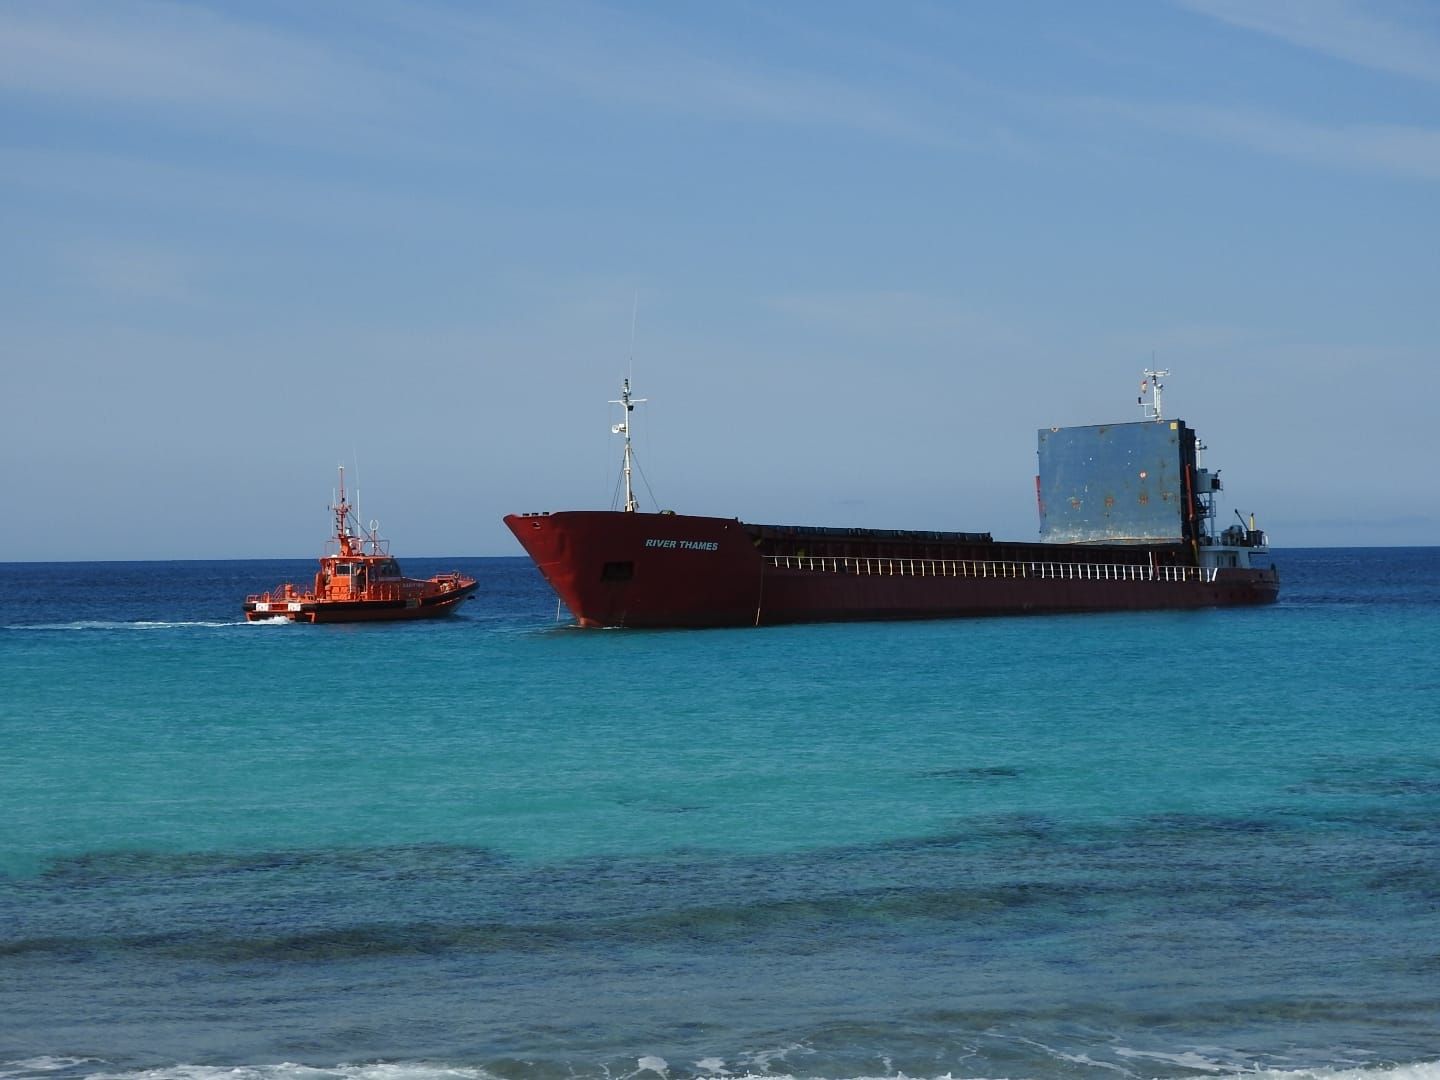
1084, 847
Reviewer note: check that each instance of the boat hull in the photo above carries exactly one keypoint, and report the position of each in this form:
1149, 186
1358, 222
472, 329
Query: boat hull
309, 610
671, 570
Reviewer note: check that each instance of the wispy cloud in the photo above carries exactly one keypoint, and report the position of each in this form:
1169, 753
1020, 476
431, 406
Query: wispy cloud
899, 315
130, 272
1399, 150
1367, 35
162, 55
259, 191
604, 57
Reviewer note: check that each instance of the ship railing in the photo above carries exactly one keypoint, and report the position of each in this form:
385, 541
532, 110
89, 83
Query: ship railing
993, 568
375, 591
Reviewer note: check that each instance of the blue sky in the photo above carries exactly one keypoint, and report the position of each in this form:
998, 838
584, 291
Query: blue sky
866, 251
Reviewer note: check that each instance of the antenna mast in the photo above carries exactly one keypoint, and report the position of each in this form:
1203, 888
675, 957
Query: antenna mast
1151, 382
627, 404
342, 523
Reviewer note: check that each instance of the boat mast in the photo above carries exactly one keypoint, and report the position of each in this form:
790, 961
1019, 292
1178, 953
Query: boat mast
627, 404
342, 511
1152, 382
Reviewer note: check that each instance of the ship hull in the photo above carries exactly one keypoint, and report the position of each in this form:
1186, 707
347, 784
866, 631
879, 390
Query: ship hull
645, 570
670, 570
431, 606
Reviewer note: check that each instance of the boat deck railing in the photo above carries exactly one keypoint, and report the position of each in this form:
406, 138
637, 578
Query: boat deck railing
375, 590
281, 595
993, 568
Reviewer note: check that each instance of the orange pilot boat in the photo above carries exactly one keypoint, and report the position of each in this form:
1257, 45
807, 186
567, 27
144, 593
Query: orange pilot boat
359, 581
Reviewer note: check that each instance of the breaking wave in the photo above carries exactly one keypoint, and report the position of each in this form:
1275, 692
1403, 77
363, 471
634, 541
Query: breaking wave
749, 1066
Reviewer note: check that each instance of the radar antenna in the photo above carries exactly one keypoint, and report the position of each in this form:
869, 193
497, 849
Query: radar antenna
1151, 382
627, 404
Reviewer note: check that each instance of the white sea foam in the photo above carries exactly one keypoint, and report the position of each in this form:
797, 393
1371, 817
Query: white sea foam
38, 1066
648, 1066
291, 1071
1423, 1070
763, 1061
1194, 1060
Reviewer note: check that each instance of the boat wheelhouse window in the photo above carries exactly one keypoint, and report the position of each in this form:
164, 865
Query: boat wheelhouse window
342, 569
617, 571
388, 568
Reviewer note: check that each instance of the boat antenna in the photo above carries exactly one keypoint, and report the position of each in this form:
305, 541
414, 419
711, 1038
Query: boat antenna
627, 405
634, 313
342, 514
1151, 382
355, 453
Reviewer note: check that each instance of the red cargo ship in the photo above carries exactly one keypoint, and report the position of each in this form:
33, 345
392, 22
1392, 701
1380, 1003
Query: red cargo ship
1127, 523
359, 581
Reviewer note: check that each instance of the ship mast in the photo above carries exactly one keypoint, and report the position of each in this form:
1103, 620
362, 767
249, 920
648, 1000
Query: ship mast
342, 526
627, 404
1151, 381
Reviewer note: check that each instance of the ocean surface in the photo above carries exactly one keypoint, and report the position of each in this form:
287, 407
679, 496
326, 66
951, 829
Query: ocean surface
1092, 847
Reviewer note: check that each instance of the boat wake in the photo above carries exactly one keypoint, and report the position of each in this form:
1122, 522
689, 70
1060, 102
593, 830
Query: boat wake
138, 624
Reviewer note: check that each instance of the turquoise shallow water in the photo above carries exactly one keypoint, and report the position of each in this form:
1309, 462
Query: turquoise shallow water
1159, 845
